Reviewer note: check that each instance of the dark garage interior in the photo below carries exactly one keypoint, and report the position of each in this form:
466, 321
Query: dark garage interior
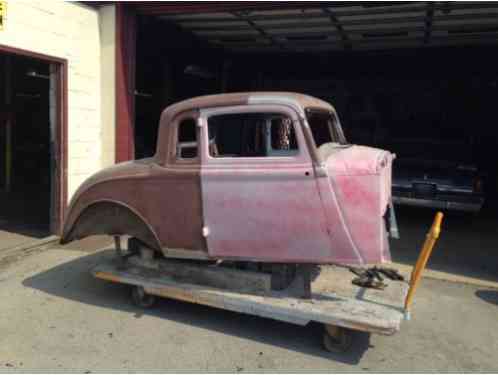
25, 173
416, 78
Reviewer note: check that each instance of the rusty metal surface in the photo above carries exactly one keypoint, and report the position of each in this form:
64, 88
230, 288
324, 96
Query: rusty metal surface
167, 201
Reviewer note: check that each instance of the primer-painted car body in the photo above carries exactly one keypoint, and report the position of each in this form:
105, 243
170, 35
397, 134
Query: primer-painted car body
322, 205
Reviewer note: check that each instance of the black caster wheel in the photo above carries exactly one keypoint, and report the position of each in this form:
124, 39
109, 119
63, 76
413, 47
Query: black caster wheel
336, 339
140, 298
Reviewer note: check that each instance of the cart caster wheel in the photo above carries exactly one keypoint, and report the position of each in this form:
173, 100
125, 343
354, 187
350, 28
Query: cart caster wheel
140, 298
336, 339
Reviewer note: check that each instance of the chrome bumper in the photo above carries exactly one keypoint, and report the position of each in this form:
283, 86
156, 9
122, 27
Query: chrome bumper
473, 205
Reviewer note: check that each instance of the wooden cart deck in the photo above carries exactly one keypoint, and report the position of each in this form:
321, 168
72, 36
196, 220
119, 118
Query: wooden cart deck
335, 300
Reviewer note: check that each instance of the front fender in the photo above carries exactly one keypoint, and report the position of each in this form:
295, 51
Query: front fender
110, 218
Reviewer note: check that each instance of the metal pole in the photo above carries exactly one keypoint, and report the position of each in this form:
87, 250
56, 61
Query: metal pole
429, 243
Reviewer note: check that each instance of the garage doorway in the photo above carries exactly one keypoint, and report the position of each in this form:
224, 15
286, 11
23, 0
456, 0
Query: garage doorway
32, 178
410, 71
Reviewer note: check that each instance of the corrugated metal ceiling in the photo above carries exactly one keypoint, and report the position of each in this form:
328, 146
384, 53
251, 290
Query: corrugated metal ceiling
339, 26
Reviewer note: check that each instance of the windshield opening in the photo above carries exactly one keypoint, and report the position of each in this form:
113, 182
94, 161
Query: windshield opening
325, 127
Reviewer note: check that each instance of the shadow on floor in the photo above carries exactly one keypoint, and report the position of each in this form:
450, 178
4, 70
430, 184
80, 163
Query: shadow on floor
488, 295
24, 217
467, 246
14, 235
72, 280
23, 229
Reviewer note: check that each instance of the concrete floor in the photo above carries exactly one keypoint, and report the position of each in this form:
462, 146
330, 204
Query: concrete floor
467, 248
56, 317
13, 237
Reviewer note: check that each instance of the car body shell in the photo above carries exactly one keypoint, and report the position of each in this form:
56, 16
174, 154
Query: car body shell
322, 205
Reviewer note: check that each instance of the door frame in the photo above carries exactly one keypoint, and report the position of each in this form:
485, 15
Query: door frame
262, 187
58, 198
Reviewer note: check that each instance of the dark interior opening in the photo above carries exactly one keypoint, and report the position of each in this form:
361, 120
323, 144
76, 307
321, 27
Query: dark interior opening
25, 170
383, 98
171, 66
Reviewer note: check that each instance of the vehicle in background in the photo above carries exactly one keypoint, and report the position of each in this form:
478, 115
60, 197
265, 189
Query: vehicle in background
436, 174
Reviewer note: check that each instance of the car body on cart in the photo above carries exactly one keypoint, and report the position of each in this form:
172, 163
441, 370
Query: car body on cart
259, 177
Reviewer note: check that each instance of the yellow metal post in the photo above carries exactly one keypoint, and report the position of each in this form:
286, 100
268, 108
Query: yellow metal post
429, 243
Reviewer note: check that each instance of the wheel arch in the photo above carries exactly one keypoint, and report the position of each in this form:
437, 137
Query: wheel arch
111, 218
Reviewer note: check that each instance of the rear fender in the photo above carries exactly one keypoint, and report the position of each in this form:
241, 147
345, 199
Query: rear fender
111, 218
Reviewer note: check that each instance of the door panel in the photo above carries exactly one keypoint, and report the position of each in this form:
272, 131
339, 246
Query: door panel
270, 214
260, 203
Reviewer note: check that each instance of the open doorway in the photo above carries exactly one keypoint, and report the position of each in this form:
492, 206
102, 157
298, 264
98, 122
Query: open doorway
30, 198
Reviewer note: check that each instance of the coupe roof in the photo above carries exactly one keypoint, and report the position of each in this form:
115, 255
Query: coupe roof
298, 101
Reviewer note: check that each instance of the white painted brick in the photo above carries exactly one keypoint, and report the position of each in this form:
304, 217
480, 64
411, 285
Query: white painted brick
71, 31
86, 165
84, 133
76, 181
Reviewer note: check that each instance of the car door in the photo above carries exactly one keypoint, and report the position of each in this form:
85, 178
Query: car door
260, 203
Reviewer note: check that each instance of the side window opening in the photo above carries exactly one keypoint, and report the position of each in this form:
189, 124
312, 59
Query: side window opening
187, 139
251, 135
